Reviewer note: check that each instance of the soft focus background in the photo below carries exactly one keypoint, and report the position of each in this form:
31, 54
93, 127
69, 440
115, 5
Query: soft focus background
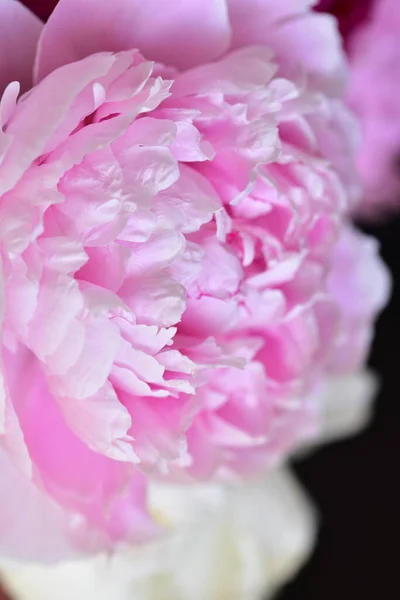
355, 483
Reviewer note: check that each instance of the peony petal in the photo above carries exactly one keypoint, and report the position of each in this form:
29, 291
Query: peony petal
102, 422
158, 429
82, 480
93, 365
188, 203
275, 10
33, 527
318, 49
347, 405
163, 247
19, 35
155, 300
58, 303
181, 34
315, 44
31, 127
246, 70
11, 436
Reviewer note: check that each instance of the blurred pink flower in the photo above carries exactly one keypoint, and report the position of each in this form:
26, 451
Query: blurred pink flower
374, 90
372, 32
167, 231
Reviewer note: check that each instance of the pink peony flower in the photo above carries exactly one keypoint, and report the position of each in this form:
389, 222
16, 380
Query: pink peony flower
172, 191
372, 31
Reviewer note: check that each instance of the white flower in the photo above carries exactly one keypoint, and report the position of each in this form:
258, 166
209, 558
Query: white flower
225, 543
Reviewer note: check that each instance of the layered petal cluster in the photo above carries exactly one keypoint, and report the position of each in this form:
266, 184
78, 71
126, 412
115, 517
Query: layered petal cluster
173, 206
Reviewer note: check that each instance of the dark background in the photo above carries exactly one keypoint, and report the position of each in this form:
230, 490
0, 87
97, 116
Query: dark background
354, 483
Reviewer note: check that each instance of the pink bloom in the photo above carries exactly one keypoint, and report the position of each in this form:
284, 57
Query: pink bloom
375, 86
372, 31
167, 234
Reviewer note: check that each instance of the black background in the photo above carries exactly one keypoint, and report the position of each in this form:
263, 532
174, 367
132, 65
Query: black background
354, 483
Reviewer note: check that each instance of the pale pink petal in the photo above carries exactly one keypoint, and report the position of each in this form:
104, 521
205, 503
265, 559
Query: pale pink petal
33, 527
317, 49
183, 34
158, 430
188, 203
156, 300
102, 422
347, 405
93, 365
80, 479
361, 284
315, 45
19, 35
31, 127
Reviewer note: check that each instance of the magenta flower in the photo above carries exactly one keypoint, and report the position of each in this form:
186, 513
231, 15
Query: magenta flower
173, 186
